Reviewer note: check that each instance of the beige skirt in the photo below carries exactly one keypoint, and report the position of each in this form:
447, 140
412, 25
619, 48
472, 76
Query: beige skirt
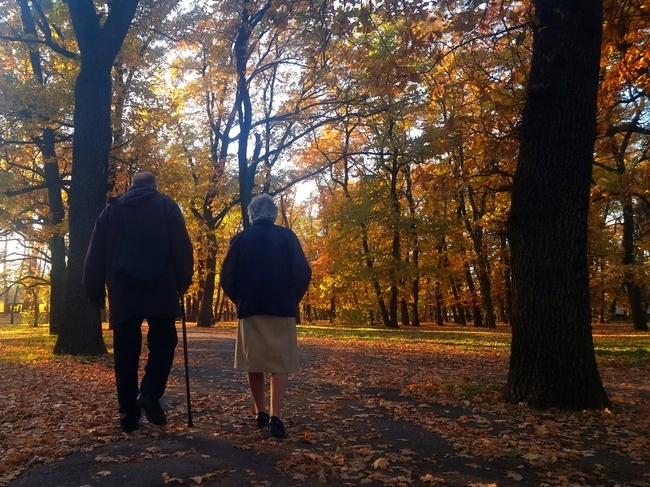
267, 344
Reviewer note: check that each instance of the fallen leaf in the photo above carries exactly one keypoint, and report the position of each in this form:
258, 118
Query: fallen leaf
105, 458
168, 480
515, 476
430, 478
380, 463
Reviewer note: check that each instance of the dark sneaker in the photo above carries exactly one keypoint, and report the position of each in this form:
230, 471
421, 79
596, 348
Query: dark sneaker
152, 410
276, 427
129, 421
262, 419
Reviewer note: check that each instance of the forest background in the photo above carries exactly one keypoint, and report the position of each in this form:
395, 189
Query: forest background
404, 117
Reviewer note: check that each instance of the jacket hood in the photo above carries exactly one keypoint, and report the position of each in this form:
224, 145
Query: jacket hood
137, 196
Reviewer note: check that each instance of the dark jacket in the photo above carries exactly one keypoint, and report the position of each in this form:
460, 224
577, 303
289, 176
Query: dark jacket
154, 214
265, 271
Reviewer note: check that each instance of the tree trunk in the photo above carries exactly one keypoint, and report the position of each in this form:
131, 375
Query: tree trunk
637, 311
414, 237
552, 361
440, 321
404, 311
206, 316
57, 241
81, 330
505, 262
415, 291
460, 309
245, 109
52, 179
476, 310
393, 301
482, 265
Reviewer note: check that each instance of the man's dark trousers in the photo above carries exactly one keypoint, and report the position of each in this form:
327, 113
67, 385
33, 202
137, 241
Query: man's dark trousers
127, 344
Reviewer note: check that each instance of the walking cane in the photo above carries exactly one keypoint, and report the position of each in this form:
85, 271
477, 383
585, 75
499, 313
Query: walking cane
187, 371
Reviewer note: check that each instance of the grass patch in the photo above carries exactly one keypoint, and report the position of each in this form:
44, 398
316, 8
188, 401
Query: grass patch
624, 356
622, 347
23, 343
465, 338
618, 346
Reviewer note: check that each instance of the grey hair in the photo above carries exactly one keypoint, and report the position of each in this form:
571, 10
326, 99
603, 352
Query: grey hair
146, 179
262, 207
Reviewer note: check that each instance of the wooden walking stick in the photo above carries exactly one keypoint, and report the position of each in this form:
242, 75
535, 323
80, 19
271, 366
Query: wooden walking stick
187, 371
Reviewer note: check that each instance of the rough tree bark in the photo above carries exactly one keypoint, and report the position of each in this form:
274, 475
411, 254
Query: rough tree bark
99, 44
552, 361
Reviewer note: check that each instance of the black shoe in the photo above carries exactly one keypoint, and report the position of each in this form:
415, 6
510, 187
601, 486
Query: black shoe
262, 419
153, 411
276, 427
129, 421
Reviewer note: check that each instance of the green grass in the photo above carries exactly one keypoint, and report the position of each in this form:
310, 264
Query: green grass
614, 345
20, 343
24, 343
470, 339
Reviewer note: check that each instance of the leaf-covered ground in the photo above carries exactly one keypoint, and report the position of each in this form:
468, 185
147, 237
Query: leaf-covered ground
398, 408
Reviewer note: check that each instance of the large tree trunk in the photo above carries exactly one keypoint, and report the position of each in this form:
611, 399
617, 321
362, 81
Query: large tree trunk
552, 361
81, 330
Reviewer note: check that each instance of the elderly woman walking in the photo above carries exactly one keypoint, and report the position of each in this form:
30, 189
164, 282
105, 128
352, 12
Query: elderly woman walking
266, 274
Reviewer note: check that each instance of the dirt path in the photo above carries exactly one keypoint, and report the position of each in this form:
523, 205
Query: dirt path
350, 422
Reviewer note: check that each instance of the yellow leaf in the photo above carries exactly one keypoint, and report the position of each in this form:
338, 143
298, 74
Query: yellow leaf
430, 478
380, 463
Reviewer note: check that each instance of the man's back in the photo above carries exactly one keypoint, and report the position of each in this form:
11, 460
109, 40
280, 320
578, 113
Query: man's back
153, 219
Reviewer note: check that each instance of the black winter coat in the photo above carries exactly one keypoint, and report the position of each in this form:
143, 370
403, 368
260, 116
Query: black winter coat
144, 210
265, 271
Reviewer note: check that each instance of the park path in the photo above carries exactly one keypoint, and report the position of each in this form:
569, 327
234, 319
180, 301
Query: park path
347, 424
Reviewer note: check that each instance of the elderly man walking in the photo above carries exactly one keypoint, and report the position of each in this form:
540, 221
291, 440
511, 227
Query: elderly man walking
141, 252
